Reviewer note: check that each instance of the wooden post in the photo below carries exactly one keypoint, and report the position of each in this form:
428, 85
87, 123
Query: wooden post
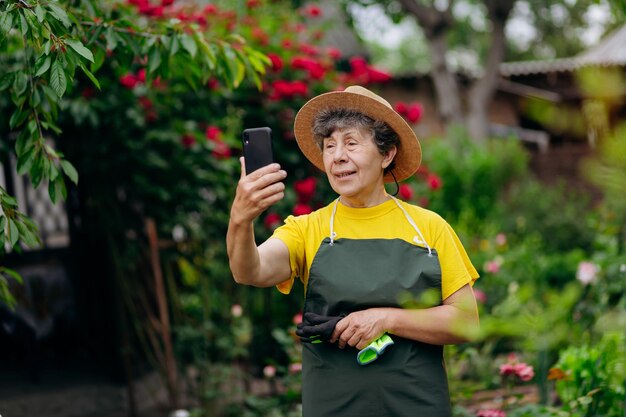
170, 362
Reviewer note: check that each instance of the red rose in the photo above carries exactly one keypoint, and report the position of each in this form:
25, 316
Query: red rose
300, 209
334, 53
210, 9
167, 2
277, 62
377, 76
406, 192
305, 189
213, 133
414, 113
314, 11
400, 107
272, 220
129, 81
434, 182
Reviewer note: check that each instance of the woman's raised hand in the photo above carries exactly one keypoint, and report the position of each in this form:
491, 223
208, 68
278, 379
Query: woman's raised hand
257, 191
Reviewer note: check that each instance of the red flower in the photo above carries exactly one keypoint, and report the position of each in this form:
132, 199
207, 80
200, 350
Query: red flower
141, 75
300, 209
334, 53
187, 140
277, 62
272, 220
253, 3
210, 9
88, 92
414, 113
129, 81
313, 67
213, 133
305, 189
377, 76
307, 49
424, 202
221, 150
406, 192
286, 43
145, 102
313, 10
259, 35
167, 2
434, 182
213, 84
400, 107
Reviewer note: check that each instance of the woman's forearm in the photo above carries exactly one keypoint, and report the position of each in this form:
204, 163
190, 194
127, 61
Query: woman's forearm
243, 254
441, 325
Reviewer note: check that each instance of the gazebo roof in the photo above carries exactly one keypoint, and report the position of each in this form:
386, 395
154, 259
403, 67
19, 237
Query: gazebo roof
610, 51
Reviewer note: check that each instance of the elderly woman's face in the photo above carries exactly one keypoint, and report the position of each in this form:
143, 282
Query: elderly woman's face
353, 163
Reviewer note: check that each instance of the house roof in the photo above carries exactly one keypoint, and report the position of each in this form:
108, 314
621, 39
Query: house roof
610, 51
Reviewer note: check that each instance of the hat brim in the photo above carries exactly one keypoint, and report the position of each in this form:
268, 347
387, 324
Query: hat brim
409, 154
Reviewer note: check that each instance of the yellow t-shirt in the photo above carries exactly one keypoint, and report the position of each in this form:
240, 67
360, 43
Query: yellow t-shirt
304, 234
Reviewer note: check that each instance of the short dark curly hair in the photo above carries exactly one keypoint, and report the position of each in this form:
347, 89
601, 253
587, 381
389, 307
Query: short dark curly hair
329, 120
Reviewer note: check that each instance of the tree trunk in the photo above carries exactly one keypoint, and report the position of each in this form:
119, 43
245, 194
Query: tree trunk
483, 90
436, 24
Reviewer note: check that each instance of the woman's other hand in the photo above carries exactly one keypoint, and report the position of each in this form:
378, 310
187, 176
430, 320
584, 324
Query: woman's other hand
257, 191
360, 328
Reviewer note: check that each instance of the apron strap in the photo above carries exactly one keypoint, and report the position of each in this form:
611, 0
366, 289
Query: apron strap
417, 229
333, 235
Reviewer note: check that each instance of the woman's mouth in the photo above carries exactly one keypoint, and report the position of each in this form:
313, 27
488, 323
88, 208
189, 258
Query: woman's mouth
344, 174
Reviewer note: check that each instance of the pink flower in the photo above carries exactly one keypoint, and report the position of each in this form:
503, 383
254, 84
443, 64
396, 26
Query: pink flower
272, 220
524, 372
305, 189
500, 239
521, 370
490, 412
406, 192
434, 182
295, 368
221, 150
236, 310
210, 9
334, 53
297, 318
493, 267
480, 296
269, 371
587, 272
301, 209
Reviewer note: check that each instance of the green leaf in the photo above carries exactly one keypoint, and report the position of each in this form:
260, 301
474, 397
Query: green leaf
189, 44
20, 83
58, 82
12, 273
40, 12
154, 60
17, 118
98, 60
60, 14
111, 38
174, 46
6, 22
78, 46
42, 65
14, 233
23, 25
69, 170
6, 80
25, 161
27, 236
88, 73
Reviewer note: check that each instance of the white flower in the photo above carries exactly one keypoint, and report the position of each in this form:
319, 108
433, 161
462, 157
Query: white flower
269, 371
587, 272
236, 310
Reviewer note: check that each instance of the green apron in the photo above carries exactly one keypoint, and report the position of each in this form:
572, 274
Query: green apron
409, 379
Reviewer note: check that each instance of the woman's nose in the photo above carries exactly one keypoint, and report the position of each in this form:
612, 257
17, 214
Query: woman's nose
340, 153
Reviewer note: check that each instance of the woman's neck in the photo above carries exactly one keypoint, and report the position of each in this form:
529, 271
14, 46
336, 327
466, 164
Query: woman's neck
371, 200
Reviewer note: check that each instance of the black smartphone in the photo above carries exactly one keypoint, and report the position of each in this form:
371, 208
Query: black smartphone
257, 148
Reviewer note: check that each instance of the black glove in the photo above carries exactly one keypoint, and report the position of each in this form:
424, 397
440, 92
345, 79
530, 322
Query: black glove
316, 328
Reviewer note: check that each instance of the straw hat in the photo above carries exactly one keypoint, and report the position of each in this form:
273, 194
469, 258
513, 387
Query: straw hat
355, 97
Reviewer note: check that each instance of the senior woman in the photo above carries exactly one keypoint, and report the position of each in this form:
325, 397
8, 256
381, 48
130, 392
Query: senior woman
357, 258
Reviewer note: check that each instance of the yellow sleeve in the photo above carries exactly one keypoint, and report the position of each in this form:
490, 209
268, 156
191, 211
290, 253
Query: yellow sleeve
291, 235
456, 267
